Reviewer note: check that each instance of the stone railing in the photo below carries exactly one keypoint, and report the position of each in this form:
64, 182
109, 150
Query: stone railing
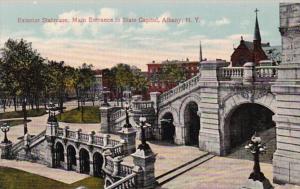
91, 139
181, 88
142, 105
36, 137
125, 170
266, 72
60, 132
83, 137
117, 150
116, 115
125, 183
71, 134
98, 140
16, 147
229, 73
113, 142
109, 165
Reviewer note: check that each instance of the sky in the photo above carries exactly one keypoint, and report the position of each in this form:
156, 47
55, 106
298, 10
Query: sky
219, 26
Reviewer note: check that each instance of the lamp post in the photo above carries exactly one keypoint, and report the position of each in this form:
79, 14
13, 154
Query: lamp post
5, 128
256, 147
143, 145
51, 110
105, 102
127, 124
24, 103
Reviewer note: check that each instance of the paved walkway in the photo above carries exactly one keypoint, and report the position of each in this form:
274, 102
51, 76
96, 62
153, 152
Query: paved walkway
67, 177
221, 173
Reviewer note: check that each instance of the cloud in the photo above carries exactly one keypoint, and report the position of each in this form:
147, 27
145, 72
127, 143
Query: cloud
220, 22
78, 28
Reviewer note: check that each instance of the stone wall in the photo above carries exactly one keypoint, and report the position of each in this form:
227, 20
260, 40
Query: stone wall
36, 153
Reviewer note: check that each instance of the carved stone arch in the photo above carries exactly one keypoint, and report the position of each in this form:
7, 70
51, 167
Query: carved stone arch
85, 158
194, 97
74, 146
169, 109
59, 152
236, 100
231, 103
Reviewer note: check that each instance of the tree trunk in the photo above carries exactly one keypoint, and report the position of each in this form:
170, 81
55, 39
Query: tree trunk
15, 103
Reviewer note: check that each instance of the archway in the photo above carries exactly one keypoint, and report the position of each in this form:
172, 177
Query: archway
192, 124
98, 162
84, 161
167, 127
71, 155
59, 149
243, 122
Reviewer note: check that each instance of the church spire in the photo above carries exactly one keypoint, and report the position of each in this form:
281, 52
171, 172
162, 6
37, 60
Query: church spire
256, 29
200, 53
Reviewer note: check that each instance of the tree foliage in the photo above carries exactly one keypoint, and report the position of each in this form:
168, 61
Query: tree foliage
25, 74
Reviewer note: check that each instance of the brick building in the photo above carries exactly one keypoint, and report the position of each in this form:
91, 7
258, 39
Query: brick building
250, 51
191, 68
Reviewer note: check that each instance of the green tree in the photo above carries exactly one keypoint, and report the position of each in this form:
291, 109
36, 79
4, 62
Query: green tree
172, 73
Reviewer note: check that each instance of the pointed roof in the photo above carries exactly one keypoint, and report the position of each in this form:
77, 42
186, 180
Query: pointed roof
256, 29
200, 53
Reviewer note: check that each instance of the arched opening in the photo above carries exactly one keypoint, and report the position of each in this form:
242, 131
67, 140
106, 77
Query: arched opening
243, 122
98, 162
84, 161
71, 155
167, 128
192, 124
59, 149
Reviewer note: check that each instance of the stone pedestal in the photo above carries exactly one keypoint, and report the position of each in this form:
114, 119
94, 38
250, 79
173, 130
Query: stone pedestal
128, 135
144, 168
6, 150
154, 98
105, 113
251, 184
249, 73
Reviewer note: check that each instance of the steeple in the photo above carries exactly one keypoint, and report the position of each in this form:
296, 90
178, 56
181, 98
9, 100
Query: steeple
256, 29
200, 53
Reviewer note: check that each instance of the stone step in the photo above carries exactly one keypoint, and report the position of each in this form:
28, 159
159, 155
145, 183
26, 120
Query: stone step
170, 175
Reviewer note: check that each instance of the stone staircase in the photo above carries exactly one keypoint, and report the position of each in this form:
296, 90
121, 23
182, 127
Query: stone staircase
172, 174
33, 141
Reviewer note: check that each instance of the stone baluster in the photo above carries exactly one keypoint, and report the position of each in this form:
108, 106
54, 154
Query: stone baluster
78, 134
65, 132
105, 139
116, 161
91, 137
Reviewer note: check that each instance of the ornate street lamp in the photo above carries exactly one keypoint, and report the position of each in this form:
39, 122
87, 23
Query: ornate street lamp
5, 128
143, 145
127, 124
256, 148
105, 96
51, 108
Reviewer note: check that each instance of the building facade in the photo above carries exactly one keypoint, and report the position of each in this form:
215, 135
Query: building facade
248, 51
155, 71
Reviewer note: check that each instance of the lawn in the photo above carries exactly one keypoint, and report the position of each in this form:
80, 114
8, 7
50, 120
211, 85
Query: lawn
16, 179
19, 114
91, 114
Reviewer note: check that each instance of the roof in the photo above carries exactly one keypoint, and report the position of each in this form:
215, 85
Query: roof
250, 45
273, 51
